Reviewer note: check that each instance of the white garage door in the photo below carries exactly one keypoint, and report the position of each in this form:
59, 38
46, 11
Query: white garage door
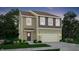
49, 38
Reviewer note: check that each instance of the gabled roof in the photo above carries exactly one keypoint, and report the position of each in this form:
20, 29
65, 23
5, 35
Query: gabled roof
38, 13
44, 13
26, 13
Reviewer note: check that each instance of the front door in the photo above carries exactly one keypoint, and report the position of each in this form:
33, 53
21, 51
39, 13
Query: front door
28, 36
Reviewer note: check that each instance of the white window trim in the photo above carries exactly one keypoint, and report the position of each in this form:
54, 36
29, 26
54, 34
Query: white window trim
29, 21
42, 21
50, 21
57, 22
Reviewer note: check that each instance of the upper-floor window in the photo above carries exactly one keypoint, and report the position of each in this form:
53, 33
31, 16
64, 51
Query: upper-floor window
42, 20
29, 21
57, 22
50, 21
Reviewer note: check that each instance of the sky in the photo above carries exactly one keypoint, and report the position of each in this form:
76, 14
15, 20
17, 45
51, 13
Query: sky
59, 11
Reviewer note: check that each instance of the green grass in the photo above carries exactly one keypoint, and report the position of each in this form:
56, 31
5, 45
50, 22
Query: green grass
38, 45
22, 45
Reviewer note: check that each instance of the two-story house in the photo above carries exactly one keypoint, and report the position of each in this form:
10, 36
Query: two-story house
37, 25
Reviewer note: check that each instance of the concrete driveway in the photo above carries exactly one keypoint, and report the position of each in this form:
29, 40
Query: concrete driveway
65, 46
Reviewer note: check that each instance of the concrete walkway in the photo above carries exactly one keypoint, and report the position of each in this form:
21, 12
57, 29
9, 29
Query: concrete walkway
55, 45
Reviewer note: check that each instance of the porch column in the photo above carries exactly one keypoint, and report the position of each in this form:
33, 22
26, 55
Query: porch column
37, 30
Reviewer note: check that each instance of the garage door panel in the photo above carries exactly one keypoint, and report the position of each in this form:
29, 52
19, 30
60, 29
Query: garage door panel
49, 37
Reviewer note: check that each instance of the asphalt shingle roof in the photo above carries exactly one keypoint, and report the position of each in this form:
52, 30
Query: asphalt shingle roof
44, 13
26, 13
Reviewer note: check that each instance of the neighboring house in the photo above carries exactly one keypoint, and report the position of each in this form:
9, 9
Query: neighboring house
37, 25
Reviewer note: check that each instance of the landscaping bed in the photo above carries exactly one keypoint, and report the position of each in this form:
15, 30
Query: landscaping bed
22, 45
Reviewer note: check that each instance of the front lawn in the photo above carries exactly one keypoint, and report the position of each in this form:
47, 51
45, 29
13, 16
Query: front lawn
22, 45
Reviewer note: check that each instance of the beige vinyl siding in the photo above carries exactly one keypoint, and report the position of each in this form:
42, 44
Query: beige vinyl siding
33, 23
25, 27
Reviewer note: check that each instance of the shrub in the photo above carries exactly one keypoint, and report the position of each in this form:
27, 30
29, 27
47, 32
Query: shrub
24, 41
39, 41
27, 43
35, 41
0, 46
69, 40
17, 39
61, 40
14, 42
20, 41
8, 42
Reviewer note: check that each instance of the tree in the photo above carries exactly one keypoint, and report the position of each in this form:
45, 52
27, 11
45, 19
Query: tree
11, 28
70, 27
1, 26
70, 15
11, 24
